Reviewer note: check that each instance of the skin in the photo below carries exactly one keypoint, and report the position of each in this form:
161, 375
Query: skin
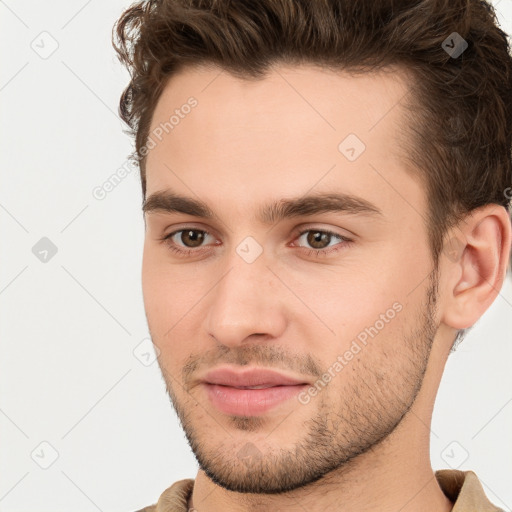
362, 443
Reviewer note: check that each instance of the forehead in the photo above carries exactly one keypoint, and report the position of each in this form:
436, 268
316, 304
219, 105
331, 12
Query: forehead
365, 99
284, 132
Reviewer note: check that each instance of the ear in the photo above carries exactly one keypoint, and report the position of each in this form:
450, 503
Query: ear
475, 259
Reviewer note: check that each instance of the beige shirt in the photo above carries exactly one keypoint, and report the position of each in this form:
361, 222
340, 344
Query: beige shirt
462, 488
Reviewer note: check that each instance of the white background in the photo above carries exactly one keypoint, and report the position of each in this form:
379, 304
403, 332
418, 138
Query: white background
69, 328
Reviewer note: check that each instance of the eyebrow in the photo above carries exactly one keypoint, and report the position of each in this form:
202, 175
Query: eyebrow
167, 201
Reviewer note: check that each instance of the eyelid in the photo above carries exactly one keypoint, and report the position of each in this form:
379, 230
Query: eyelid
191, 226
344, 233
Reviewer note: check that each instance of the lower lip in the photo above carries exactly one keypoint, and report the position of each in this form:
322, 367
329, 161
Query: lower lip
250, 402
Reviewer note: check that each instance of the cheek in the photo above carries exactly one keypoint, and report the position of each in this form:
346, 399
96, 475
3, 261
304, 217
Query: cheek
162, 298
170, 297
153, 290
165, 314
358, 307
346, 301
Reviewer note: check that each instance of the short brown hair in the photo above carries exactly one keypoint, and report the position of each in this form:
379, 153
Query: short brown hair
459, 122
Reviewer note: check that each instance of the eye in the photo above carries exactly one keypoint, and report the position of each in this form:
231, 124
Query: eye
191, 237
192, 241
319, 239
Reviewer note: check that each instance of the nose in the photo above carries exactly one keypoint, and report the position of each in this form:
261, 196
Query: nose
247, 301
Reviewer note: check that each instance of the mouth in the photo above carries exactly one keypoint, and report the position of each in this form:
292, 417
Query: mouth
252, 378
263, 386
250, 400
251, 391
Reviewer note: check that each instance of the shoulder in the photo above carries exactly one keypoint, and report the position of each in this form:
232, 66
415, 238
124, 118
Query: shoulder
465, 490
173, 499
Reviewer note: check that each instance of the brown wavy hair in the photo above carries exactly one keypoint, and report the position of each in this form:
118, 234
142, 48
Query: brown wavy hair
457, 137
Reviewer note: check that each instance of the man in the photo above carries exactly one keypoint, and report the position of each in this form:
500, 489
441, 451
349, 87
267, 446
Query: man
326, 188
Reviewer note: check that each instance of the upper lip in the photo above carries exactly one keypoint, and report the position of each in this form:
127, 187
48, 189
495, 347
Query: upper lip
250, 377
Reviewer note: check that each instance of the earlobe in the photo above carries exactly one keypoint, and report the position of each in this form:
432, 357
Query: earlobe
476, 275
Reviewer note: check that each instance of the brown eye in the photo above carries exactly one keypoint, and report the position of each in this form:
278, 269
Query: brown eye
191, 237
186, 241
317, 239
318, 242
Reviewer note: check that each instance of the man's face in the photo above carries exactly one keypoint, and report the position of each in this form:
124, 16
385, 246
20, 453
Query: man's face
353, 319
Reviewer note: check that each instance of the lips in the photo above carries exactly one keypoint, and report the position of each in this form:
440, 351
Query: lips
251, 392
254, 378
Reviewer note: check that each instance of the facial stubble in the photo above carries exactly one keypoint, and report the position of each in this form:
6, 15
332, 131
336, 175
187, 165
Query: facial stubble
372, 403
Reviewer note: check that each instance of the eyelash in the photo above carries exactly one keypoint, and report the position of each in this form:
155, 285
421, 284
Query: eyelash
167, 239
